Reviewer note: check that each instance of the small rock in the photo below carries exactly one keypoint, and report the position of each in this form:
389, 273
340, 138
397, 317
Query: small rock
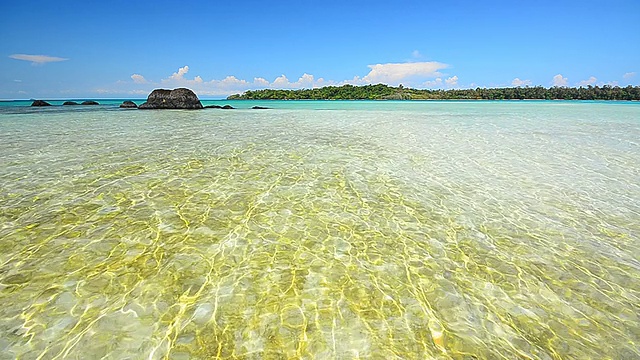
40, 103
70, 103
128, 105
260, 108
226, 107
89, 102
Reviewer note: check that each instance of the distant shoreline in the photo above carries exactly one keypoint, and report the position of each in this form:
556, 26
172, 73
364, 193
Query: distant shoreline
385, 92
116, 102
381, 92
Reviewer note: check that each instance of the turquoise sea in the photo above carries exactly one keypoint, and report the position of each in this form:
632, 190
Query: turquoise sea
321, 230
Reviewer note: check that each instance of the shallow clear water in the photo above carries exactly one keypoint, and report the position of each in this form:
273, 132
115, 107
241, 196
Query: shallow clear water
446, 230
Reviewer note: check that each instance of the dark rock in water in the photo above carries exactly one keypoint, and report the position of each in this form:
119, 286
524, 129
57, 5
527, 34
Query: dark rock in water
260, 108
180, 98
129, 105
40, 103
89, 102
70, 103
226, 107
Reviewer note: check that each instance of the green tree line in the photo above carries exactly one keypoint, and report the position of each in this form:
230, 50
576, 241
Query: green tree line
385, 92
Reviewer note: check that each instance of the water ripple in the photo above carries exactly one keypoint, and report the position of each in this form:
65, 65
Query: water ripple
479, 232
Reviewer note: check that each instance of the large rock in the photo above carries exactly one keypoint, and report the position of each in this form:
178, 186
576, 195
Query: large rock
128, 105
180, 98
70, 103
89, 102
40, 103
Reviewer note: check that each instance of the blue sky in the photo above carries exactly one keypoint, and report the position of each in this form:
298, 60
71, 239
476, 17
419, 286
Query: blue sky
115, 49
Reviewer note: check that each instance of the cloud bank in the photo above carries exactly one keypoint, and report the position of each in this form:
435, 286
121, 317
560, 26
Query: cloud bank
410, 73
37, 59
393, 73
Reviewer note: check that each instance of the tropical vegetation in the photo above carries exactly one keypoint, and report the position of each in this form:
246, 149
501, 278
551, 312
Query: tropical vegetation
385, 92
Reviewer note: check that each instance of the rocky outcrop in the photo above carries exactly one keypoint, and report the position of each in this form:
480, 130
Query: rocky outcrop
40, 103
226, 107
89, 102
70, 103
128, 105
180, 98
260, 108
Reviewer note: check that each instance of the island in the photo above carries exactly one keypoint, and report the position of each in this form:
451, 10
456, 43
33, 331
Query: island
385, 92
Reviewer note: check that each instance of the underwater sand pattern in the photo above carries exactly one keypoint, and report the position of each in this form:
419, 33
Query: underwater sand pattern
457, 231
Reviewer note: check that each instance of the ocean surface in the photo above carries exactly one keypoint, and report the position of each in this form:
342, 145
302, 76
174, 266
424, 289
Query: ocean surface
321, 229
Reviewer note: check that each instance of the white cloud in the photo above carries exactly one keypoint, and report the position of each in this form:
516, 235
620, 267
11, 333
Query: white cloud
416, 54
356, 80
229, 83
558, 80
226, 86
233, 81
306, 81
452, 81
138, 79
178, 78
281, 81
518, 82
592, 80
320, 82
433, 83
180, 74
37, 59
261, 81
629, 75
438, 82
393, 73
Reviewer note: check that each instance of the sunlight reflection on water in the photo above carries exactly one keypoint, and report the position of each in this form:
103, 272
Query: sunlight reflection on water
456, 231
